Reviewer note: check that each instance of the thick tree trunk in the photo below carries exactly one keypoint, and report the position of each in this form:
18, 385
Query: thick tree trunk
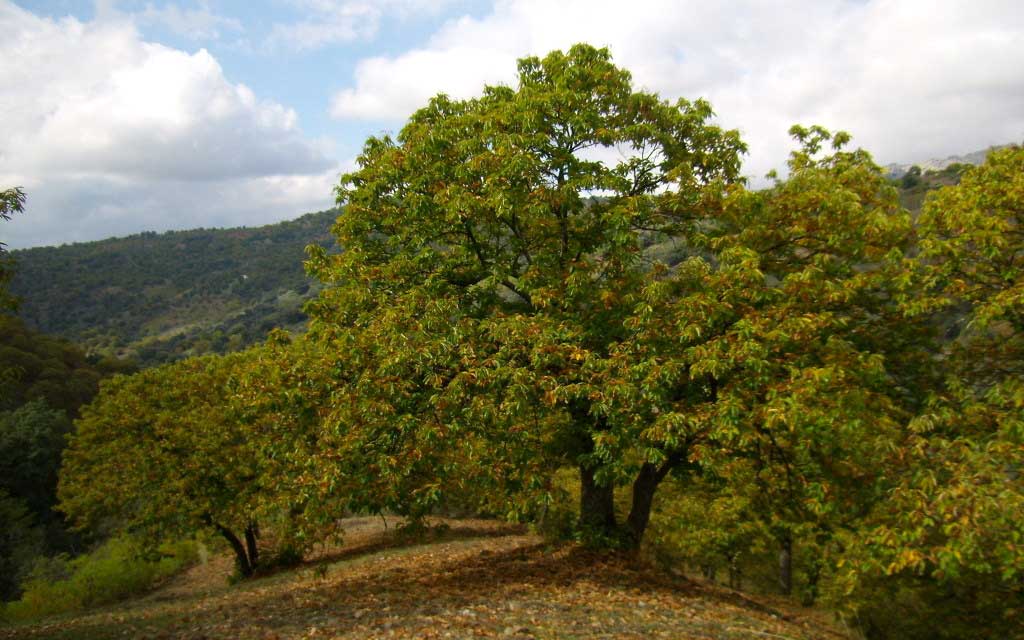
597, 505
643, 497
786, 565
644, 486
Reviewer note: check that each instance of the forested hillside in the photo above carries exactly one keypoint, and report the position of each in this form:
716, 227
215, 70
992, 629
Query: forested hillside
158, 297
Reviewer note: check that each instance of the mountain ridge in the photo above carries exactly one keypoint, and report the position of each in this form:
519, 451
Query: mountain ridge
898, 170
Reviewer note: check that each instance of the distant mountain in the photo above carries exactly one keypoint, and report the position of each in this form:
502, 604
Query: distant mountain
158, 297
897, 170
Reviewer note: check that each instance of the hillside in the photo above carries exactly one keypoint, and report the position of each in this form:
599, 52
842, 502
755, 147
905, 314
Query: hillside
158, 297
471, 579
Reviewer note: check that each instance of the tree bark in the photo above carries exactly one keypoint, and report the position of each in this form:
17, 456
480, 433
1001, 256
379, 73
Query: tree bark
786, 565
251, 534
644, 486
597, 504
245, 567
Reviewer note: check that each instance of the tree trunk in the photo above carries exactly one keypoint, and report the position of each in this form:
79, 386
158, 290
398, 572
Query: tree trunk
597, 505
252, 532
786, 564
644, 486
735, 574
245, 567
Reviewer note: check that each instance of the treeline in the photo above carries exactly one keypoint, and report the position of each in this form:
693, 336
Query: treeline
803, 384
159, 297
43, 383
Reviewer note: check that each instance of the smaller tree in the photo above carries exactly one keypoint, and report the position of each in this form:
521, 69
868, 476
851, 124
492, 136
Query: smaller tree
780, 342
164, 453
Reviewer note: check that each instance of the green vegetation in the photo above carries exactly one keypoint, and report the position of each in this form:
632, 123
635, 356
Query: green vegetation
116, 570
804, 388
160, 297
45, 382
11, 201
164, 454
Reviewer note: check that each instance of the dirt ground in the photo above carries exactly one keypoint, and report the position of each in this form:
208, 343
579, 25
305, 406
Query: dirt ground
471, 579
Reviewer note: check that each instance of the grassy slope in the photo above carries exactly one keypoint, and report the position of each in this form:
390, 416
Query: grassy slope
479, 579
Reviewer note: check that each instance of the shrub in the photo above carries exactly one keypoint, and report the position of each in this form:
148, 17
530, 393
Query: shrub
116, 570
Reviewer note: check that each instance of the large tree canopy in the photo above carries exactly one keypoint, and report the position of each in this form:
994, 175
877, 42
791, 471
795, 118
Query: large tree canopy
492, 254
501, 304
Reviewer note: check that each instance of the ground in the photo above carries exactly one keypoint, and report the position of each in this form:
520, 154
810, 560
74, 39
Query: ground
473, 579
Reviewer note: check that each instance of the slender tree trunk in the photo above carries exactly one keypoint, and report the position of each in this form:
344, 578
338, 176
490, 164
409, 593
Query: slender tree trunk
786, 564
597, 505
735, 573
252, 532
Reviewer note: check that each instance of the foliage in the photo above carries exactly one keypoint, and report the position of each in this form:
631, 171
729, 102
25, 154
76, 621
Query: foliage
481, 295
21, 542
703, 527
950, 525
43, 367
11, 201
31, 441
46, 381
161, 297
162, 453
118, 569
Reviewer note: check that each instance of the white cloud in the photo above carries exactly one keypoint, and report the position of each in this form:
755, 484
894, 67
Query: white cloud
345, 21
109, 133
908, 79
194, 24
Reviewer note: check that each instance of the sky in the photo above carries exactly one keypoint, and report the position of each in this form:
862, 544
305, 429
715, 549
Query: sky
124, 116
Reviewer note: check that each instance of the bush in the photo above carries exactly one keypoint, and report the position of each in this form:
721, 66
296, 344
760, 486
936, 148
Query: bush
911, 605
118, 569
710, 531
